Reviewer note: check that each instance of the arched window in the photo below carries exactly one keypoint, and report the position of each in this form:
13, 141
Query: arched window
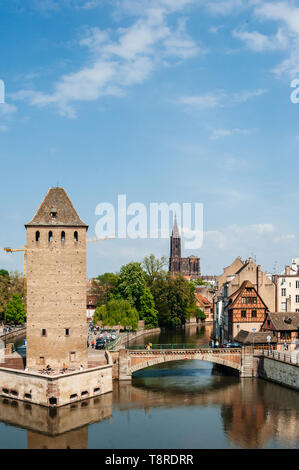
50, 236
76, 236
62, 237
37, 236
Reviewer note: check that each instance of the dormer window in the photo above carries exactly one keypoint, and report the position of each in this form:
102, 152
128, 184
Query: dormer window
53, 213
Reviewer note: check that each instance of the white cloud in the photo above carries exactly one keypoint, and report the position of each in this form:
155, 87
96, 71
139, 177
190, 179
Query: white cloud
7, 109
219, 133
120, 59
260, 42
219, 98
245, 95
224, 7
207, 100
233, 235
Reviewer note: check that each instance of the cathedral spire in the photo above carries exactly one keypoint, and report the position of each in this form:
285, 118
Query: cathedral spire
175, 229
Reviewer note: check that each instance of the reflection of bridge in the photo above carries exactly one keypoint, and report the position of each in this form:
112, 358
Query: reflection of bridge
132, 360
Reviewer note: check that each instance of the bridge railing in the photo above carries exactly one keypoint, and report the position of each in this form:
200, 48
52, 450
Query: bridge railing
203, 348
180, 346
289, 357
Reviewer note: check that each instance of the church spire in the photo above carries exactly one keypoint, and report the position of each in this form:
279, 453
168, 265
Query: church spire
175, 229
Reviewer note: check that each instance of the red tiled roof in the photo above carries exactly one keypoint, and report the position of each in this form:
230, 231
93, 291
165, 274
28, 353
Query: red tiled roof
204, 301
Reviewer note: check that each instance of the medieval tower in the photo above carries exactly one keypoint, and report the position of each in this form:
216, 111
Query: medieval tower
56, 285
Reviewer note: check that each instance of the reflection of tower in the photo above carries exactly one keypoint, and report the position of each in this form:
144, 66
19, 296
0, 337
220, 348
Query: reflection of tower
56, 285
77, 439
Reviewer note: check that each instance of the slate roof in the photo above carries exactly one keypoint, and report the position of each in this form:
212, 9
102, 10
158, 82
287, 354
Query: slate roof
279, 320
56, 200
259, 337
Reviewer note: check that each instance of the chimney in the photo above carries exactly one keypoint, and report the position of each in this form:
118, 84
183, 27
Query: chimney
287, 270
258, 277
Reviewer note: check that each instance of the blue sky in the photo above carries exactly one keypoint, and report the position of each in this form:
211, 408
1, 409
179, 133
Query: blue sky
161, 100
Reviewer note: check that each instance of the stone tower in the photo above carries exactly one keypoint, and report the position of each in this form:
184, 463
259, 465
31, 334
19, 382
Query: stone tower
56, 285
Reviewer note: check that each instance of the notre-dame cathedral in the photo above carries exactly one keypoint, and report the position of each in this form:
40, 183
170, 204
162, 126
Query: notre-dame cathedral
188, 267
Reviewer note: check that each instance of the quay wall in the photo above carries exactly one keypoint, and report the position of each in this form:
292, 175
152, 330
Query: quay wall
56, 390
280, 372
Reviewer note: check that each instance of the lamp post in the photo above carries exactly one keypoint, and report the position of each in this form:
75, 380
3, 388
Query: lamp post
253, 329
128, 332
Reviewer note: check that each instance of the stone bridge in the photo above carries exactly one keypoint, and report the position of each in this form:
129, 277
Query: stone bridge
130, 361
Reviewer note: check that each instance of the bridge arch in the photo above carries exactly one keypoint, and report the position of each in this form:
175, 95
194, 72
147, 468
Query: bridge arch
143, 361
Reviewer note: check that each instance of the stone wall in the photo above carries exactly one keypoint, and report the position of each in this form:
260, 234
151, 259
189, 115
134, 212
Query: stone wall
55, 390
279, 372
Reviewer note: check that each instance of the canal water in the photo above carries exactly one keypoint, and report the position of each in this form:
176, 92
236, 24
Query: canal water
182, 404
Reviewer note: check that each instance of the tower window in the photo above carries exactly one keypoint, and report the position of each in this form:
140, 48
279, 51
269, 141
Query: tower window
53, 213
72, 356
50, 237
76, 236
67, 332
62, 237
37, 236
44, 332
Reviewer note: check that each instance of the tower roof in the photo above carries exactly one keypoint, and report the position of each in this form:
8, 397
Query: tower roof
175, 230
56, 210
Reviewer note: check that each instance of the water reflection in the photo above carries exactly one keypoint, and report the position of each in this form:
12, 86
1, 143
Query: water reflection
199, 334
183, 404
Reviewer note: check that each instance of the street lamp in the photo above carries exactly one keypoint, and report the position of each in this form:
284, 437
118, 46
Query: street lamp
253, 329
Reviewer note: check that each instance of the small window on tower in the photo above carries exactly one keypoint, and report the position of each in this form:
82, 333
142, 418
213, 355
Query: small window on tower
76, 236
44, 332
50, 237
37, 236
53, 213
62, 237
67, 332
72, 356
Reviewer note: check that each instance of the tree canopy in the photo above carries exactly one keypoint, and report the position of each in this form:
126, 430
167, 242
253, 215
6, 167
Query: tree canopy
117, 312
15, 310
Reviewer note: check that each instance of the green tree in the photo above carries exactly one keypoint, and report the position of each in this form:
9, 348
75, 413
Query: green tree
131, 284
10, 284
174, 297
103, 287
4, 293
4, 273
15, 310
148, 313
154, 266
117, 312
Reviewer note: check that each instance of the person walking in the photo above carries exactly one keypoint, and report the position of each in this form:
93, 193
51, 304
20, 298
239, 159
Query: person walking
92, 344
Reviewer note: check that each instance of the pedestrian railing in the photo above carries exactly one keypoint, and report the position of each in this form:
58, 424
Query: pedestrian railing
166, 346
289, 357
204, 348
